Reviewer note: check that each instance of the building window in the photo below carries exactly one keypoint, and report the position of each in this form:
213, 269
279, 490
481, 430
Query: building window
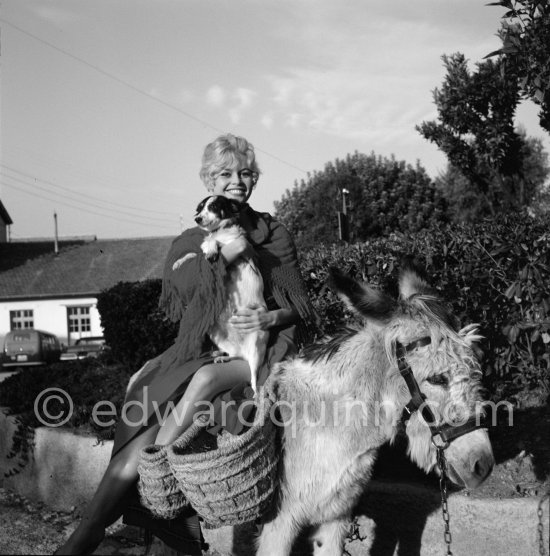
21, 319
79, 319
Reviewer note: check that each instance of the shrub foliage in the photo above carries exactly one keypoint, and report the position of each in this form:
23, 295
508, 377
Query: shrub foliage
495, 273
134, 327
87, 382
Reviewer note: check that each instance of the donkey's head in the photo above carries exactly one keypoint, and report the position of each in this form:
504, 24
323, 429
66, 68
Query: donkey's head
432, 380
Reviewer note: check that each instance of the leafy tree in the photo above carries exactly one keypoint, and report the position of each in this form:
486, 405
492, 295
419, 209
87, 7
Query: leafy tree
385, 195
526, 188
525, 52
464, 202
476, 131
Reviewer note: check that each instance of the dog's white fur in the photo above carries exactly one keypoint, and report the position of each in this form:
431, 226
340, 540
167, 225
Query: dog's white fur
244, 285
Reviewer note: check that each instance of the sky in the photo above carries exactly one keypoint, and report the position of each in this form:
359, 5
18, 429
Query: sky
106, 106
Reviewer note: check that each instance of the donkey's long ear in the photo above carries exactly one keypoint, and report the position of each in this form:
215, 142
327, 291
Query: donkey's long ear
369, 303
412, 279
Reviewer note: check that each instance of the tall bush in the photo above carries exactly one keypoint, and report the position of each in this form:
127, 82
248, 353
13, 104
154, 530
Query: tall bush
384, 194
134, 327
495, 273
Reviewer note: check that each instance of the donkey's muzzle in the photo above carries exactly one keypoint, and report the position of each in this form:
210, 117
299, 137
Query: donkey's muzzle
470, 459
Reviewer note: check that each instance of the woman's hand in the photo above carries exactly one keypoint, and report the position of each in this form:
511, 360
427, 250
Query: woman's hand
237, 248
259, 318
252, 320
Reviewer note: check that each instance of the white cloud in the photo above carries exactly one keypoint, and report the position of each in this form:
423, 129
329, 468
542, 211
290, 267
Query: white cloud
347, 103
363, 69
244, 96
244, 99
282, 89
267, 120
293, 120
216, 96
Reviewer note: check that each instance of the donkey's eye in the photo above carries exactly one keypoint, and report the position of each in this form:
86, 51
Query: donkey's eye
438, 380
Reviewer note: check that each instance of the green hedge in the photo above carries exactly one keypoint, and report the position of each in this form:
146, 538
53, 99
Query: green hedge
134, 328
87, 382
495, 273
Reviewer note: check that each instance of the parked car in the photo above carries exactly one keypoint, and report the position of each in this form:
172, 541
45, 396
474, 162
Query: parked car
83, 348
29, 347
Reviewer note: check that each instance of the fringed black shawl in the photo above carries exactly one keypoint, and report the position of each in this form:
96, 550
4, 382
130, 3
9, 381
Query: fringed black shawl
194, 293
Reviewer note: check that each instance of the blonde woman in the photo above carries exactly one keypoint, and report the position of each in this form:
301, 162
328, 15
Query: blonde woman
185, 374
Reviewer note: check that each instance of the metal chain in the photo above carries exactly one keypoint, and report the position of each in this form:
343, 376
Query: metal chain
442, 463
540, 527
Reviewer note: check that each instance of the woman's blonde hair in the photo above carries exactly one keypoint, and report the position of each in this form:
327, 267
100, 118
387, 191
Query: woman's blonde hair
226, 152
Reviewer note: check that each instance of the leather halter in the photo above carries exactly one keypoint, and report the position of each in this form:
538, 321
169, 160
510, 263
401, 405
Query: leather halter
444, 434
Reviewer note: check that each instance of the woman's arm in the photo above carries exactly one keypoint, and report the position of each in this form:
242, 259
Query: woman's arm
251, 320
235, 249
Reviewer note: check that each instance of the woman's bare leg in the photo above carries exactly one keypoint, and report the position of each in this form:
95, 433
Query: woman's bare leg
208, 381
106, 505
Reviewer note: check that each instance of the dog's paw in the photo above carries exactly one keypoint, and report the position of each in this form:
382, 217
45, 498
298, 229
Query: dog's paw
179, 262
210, 249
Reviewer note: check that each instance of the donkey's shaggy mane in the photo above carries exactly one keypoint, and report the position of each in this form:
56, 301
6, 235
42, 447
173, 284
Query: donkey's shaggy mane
328, 347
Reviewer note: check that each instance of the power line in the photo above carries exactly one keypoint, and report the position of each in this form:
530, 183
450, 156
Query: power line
85, 194
96, 199
140, 91
33, 194
86, 203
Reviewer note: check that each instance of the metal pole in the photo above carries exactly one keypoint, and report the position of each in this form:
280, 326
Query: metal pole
56, 245
345, 194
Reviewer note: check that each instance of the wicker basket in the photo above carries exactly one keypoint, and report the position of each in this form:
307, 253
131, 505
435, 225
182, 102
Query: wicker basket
235, 483
159, 491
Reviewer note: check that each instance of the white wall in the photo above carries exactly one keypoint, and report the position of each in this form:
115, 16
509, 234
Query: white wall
50, 315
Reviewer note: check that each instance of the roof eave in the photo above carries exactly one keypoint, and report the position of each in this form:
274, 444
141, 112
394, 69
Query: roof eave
47, 296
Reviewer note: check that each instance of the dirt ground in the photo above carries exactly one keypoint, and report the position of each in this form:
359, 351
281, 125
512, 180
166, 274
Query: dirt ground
522, 453
33, 528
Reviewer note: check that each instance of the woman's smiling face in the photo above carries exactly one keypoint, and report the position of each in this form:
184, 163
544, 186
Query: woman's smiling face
234, 183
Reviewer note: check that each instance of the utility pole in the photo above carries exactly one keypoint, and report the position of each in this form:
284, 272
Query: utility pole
343, 226
56, 244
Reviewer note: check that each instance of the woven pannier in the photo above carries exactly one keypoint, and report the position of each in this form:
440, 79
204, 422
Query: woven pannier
236, 482
159, 491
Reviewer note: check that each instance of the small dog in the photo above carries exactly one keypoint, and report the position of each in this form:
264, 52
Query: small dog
217, 215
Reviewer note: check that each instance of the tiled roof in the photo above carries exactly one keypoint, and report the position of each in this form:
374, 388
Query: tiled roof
16, 253
83, 269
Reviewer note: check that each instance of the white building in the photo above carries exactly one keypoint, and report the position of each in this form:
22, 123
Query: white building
5, 223
58, 292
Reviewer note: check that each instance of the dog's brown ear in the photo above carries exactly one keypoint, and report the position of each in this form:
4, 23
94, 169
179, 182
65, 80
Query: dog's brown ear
235, 207
200, 206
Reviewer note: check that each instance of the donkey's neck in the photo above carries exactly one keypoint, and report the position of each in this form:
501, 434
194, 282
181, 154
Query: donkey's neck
347, 386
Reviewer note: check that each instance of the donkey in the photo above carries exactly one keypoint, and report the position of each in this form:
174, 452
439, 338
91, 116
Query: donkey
341, 399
